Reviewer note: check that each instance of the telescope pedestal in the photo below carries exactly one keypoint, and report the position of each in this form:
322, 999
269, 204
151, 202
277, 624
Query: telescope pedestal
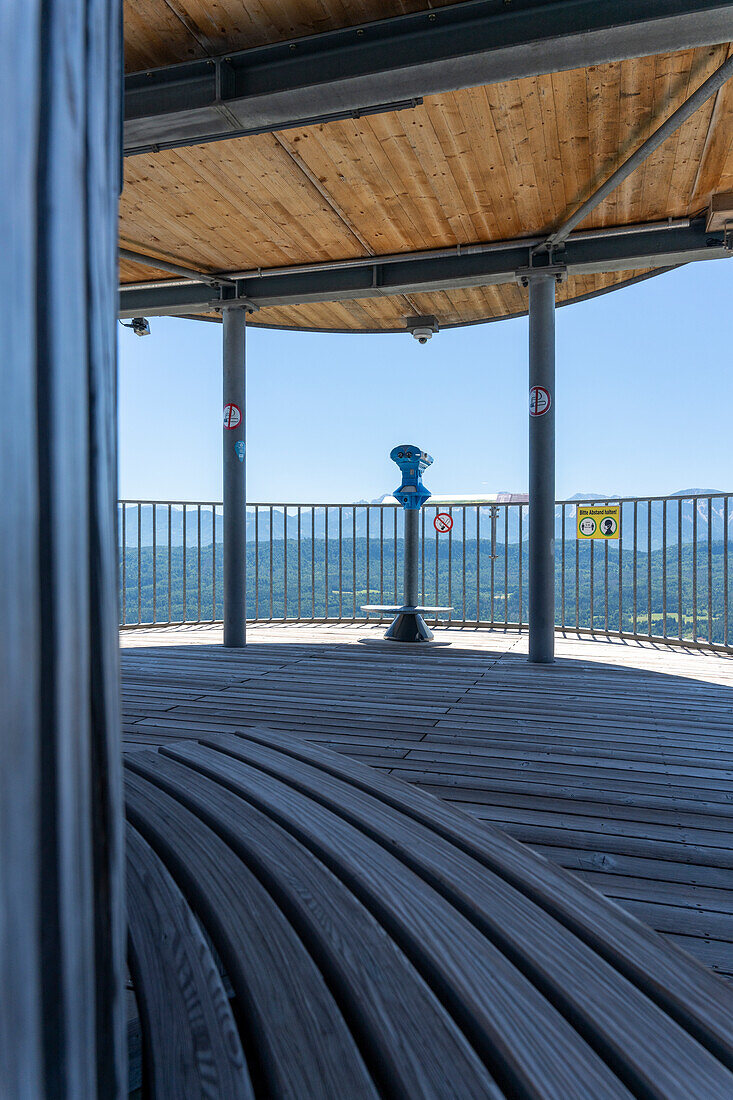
409, 626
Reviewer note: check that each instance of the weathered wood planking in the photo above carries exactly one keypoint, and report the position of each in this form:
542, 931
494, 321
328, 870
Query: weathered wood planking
179, 992
617, 761
378, 942
452, 961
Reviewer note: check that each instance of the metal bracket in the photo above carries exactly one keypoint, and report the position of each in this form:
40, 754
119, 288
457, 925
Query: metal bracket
224, 88
429, 322
524, 274
221, 304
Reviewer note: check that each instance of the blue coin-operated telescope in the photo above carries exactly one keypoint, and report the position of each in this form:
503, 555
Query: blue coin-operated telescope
413, 463
409, 625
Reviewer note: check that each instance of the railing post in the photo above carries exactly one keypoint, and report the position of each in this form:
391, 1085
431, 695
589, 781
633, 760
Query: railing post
235, 497
542, 469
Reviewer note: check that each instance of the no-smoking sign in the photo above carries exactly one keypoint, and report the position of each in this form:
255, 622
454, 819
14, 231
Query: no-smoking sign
539, 400
232, 417
443, 522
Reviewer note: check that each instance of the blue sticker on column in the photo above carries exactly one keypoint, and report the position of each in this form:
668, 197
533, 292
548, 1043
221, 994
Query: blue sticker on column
239, 448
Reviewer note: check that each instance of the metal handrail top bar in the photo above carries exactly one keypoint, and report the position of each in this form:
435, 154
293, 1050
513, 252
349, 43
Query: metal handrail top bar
429, 504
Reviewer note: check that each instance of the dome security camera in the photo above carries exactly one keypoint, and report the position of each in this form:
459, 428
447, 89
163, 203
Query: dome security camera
422, 335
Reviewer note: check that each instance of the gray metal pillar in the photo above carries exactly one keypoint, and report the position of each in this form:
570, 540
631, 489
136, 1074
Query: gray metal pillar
409, 625
234, 469
412, 544
542, 469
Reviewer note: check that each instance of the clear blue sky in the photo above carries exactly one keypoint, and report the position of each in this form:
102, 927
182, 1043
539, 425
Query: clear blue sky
644, 395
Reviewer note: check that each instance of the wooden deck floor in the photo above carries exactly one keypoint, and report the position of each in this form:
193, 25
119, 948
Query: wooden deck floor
616, 761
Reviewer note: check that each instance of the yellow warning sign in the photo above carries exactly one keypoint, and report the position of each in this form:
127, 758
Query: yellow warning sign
599, 521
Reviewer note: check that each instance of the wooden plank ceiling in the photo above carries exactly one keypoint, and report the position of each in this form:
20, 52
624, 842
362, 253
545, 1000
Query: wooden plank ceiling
490, 163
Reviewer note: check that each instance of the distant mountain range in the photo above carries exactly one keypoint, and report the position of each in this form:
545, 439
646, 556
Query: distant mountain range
683, 515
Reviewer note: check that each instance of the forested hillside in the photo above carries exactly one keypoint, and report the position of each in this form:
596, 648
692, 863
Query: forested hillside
356, 574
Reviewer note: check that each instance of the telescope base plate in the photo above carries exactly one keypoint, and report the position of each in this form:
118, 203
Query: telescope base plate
409, 626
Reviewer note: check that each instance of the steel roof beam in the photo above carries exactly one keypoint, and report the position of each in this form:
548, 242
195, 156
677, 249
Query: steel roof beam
386, 65
581, 255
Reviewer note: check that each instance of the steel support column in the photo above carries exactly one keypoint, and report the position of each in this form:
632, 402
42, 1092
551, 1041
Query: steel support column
234, 475
542, 469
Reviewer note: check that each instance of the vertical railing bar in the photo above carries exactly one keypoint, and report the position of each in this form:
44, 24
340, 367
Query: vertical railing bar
450, 565
299, 560
506, 564
325, 536
257, 562
463, 611
726, 539
562, 566
155, 564
120, 557
341, 562
381, 555
664, 568
577, 572
694, 569
313, 563
422, 557
271, 533
492, 513
353, 560
620, 570
605, 567
213, 563
636, 555
521, 566
124, 564
170, 547
710, 571
185, 512
591, 543
521, 561
198, 563
649, 569
679, 569
368, 560
139, 565
478, 564
285, 563
437, 545
395, 554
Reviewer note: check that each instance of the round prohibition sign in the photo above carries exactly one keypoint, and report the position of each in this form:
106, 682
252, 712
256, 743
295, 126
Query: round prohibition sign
539, 400
443, 522
232, 417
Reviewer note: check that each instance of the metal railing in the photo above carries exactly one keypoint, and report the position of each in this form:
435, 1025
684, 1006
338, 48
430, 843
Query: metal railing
666, 578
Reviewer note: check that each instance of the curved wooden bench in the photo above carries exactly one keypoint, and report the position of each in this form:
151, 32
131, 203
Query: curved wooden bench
376, 942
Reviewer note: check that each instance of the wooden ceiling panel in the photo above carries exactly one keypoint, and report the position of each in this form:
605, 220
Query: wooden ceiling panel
715, 171
163, 32
247, 206
498, 162
514, 159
